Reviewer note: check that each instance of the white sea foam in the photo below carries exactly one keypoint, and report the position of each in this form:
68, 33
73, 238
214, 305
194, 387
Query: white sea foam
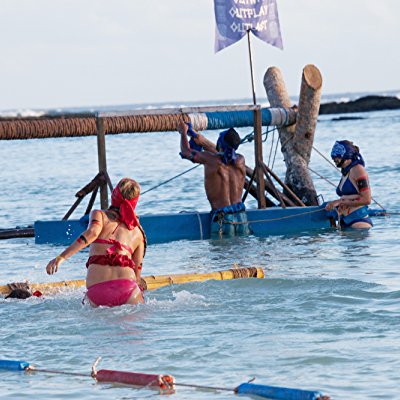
22, 113
181, 298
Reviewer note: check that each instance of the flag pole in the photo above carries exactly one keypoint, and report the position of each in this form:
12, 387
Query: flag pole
251, 67
259, 173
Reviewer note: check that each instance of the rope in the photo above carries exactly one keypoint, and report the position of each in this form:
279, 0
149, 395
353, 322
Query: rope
54, 371
271, 219
238, 273
276, 150
51, 127
203, 387
322, 177
200, 224
169, 180
31, 368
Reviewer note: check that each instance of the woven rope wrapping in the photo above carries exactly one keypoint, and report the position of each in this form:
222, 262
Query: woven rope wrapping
143, 123
47, 128
238, 273
40, 128
199, 121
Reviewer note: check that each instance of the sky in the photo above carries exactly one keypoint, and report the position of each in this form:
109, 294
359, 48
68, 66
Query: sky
88, 53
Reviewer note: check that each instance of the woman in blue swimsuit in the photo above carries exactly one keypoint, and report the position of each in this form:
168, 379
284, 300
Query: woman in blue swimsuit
353, 189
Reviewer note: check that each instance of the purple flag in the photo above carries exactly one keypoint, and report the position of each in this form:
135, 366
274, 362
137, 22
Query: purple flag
235, 17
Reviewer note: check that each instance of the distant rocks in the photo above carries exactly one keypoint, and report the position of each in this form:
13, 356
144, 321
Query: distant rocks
346, 118
363, 104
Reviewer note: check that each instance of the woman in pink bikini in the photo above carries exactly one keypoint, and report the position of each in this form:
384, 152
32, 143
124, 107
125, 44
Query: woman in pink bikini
117, 247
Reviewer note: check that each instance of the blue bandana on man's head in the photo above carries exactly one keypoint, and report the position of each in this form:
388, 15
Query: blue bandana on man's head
345, 151
229, 154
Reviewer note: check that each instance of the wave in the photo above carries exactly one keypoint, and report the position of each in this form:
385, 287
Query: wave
336, 97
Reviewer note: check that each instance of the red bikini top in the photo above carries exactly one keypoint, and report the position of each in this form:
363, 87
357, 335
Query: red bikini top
116, 245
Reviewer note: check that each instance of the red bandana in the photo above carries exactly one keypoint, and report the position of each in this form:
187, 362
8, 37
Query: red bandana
126, 208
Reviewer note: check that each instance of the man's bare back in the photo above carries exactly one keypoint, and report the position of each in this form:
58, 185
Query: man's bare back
224, 178
223, 182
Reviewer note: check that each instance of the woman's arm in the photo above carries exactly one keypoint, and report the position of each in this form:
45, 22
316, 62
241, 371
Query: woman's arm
137, 258
359, 177
88, 236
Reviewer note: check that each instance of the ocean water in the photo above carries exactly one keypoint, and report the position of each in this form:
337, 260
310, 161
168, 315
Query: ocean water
326, 316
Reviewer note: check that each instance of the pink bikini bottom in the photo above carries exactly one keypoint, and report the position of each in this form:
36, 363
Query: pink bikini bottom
112, 293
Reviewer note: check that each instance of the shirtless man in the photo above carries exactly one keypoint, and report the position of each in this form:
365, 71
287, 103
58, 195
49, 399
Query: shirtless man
224, 177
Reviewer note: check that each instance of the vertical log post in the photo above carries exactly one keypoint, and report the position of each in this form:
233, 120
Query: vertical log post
259, 158
101, 151
309, 102
295, 149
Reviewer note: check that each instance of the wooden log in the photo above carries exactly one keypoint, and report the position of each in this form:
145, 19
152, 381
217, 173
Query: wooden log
271, 184
259, 159
91, 201
152, 282
253, 191
308, 109
101, 151
272, 190
284, 186
72, 209
17, 233
297, 176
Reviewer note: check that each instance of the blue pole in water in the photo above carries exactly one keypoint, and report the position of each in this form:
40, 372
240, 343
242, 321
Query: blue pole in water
279, 393
11, 365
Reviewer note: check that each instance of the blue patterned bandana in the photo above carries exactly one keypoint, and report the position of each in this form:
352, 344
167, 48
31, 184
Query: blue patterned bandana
343, 150
228, 153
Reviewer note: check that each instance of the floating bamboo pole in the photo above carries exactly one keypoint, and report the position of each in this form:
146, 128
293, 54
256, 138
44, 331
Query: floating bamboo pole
152, 282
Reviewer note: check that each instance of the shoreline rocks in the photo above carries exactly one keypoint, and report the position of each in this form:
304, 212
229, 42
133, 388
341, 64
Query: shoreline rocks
363, 104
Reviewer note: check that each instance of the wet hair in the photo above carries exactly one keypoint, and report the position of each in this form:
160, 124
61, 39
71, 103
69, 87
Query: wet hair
129, 188
232, 138
351, 144
19, 294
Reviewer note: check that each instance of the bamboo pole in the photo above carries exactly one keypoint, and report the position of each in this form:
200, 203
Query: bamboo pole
152, 282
